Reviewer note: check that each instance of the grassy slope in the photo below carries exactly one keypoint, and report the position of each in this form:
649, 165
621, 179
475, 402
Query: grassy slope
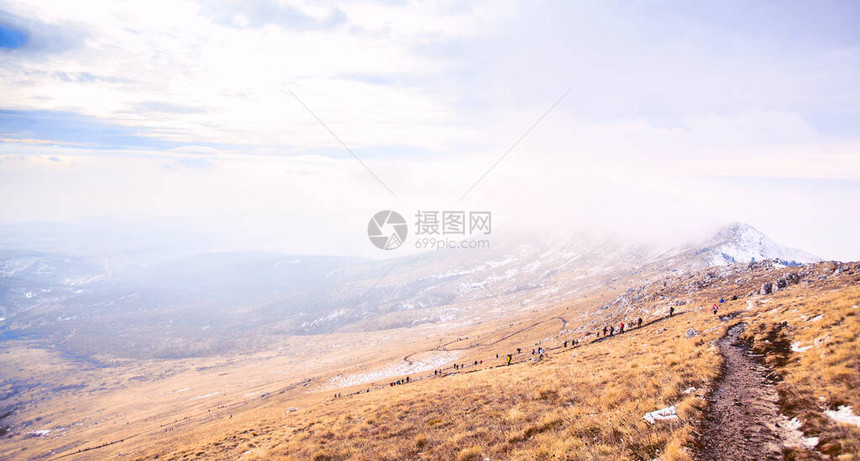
587, 403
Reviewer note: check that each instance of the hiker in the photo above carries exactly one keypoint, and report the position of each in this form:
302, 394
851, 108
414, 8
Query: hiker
639, 322
497, 355
533, 352
621, 330
604, 330
407, 379
519, 350
671, 310
611, 330
510, 357
715, 308
722, 300
565, 344
540, 350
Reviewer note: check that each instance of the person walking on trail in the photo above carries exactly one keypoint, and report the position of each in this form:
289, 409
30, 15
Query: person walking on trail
519, 350
611, 330
533, 352
639, 322
510, 357
671, 310
715, 308
621, 330
604, 331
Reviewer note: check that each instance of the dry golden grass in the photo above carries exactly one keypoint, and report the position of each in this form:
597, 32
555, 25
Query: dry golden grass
587, 403
822, 372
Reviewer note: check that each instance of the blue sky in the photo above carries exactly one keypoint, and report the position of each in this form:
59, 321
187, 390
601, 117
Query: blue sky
109, 108
11, 38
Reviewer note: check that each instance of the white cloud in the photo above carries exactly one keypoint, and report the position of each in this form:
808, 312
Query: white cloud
430, 94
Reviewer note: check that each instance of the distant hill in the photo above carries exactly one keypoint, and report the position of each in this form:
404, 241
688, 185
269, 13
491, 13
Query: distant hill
742, 243
210, 302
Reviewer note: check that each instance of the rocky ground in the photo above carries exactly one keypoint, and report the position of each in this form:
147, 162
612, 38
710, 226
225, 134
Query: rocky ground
742, 415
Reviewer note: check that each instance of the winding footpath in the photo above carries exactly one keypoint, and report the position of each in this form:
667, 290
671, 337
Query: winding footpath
742, 415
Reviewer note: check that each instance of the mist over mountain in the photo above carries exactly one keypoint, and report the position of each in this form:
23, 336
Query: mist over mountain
136, 299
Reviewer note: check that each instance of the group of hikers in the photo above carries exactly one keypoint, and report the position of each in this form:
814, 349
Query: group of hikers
458, 366
609, 330
399, 382
539, 352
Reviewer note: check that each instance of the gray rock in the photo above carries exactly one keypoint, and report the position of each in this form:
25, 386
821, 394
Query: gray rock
781, 284
692, 333
766, 289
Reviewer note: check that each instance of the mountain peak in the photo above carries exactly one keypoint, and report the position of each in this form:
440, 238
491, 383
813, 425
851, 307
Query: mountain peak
740, 242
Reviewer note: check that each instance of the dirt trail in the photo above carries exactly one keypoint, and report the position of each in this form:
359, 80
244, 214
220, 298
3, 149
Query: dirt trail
742, 415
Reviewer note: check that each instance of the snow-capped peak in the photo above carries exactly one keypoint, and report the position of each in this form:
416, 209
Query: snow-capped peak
742, 243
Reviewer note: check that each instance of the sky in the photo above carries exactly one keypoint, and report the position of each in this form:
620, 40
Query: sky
286, 124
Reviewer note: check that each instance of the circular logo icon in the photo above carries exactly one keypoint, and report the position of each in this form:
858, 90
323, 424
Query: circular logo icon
387, 230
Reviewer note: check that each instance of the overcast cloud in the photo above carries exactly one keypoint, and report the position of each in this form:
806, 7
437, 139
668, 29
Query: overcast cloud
679, 117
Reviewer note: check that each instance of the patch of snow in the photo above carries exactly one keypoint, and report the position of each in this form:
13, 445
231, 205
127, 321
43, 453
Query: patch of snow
796, 347
661, 415
41, 433
792, 434
844, 415
690, 390
180, 390
817, 318
420, 363
204, 396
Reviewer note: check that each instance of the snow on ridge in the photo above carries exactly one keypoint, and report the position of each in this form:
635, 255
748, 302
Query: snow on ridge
742, 243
